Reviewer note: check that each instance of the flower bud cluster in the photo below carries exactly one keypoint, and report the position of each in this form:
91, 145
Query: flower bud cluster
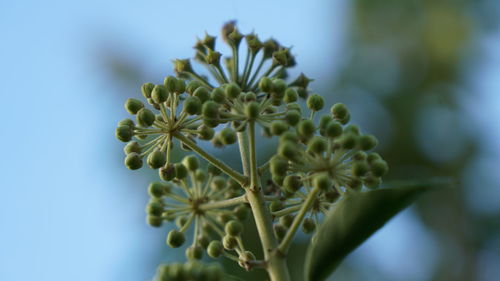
330, 157
315, 163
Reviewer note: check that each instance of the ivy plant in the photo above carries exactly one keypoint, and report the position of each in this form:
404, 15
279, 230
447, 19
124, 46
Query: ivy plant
322, 179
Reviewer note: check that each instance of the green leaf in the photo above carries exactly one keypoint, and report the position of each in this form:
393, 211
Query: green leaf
352, 221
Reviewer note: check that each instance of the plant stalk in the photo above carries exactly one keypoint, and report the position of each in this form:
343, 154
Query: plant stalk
276, 263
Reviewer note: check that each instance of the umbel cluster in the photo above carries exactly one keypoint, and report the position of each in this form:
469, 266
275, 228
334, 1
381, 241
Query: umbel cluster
318, 158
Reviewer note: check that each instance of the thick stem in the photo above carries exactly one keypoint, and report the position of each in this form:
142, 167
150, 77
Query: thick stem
276, 262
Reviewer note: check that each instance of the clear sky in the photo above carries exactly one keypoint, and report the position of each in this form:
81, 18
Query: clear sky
69, 210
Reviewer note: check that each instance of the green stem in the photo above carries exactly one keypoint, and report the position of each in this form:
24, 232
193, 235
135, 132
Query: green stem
285, 243
243, 144
276, 262
254, 173
241, 179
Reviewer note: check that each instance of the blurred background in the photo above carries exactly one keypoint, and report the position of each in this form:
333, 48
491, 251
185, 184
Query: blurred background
422, 75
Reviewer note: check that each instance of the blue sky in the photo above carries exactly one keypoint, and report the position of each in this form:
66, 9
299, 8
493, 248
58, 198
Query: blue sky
68, 208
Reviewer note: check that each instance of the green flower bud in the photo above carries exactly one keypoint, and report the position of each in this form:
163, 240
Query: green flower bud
324, 121
372, 157
339, 111
156, 159
289, 136
371, 182
224, 218
302, 81
241, 212
133, 161
194, 252
360, 169
126, 122
215, 249
233, 228
290, 95
218, 183
279, 87
180, 86
158, 189
146, 89
278, 127
202, 93
210, 110
276, 206
333, 130
315, 102
200, 175
266, 84
348, 141
205, 132
192, 86
170, 84
355, 184
308, 226
213, 57
229, 242
133, 105
167, 173
287, 220
278, 165
322, 181
154, 208
306, 128
227, 136
353, 129
252, 110
288, 150
175, 238
317, 145
231, 35
253, 43
293, 117
145, 117
270, 46
124, 133
359, 156
250, 96
379, 167
367, 142
159, 94
154, 221
182, 65
294, 106
280, 231
180, 171
191, 162
232, 91
292, 183
192, 105
218, 95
